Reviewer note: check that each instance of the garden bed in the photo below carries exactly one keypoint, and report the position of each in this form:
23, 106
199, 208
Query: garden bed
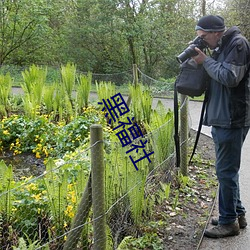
177, 222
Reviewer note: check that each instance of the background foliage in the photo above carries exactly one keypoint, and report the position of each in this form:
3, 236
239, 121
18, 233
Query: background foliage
106, 36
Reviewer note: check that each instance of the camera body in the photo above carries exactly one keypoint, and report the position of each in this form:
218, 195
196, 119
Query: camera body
190, 51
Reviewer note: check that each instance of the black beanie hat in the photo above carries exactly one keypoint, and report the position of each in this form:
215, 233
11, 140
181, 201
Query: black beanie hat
211, 23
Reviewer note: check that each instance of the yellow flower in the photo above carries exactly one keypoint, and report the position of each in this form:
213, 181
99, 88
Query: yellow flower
14, 209
69, 211
45, 151
31, 187
16, 152
73, 199
37, 196
38, 155
6, 132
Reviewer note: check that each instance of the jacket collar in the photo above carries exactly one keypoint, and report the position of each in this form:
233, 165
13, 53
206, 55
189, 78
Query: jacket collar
231, 32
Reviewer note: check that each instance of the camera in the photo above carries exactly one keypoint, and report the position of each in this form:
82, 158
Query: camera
190, 51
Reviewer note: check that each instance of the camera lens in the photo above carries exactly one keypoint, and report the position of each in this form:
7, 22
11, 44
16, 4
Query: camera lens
187, 53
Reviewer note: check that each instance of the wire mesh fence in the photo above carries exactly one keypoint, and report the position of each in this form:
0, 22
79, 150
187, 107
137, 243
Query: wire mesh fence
60, 208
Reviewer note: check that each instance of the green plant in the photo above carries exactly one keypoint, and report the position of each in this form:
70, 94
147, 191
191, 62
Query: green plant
48, 98
29, 245
164, 191
160, 131
56, 187
184, 181
176, 199
5, 90
141, 105
147, 241
136, 189
105, 90
43, 137
30, 207
83, 91
34, 81
68, 74
6, 184
121, 179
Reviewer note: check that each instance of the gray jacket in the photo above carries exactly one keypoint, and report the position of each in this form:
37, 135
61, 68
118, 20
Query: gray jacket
228, 103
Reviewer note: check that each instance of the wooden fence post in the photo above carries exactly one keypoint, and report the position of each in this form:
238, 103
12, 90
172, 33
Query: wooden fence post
98, 195
135, 74
135, 82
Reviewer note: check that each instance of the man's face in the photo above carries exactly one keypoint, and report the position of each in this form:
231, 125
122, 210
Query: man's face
211, 38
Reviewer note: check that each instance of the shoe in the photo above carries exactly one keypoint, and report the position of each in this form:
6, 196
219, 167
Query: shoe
241, 219
221, 231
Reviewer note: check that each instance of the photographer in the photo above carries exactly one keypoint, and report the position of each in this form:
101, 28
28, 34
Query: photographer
228, 112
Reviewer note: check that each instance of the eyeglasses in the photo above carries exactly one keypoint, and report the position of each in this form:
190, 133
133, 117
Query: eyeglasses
203, 36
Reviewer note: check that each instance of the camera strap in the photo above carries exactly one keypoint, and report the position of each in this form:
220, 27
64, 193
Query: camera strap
199, 127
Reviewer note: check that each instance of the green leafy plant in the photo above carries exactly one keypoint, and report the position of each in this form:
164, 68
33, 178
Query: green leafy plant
164, 191
30, 208
160, 131
23, 245
141, 105
34, 81
5, 90
147, 241
83, 91
43, 137
48, 98
68, 74
176, 199
6, 184
184, 181
105, 90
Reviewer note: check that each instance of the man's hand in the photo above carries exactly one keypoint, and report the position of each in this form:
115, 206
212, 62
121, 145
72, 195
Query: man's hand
200, 58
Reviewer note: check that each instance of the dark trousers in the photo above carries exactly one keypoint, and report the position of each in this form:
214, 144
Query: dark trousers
228, 145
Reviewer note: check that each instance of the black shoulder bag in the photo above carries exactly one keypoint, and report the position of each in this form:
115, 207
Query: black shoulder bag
191, 81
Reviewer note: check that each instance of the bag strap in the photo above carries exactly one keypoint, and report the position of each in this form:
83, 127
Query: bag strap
176, 126
199, 127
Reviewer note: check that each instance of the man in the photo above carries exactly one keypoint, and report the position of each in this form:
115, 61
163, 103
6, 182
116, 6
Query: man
228, 112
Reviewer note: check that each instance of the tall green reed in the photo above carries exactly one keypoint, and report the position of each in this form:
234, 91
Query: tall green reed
105, 90
33, 86
56, 184
48, 97
83, 91
141, 105
62, 106
5, 90
6, 196
122, 180
160, 131
68, 74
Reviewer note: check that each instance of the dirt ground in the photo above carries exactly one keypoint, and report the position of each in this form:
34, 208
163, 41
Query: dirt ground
196, 201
